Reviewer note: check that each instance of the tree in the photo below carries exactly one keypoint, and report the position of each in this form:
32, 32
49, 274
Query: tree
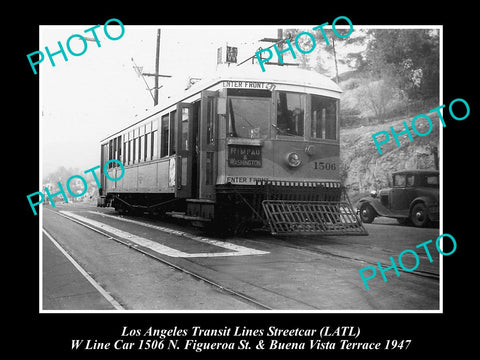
324, 53
410, 55
61, 175
379, 95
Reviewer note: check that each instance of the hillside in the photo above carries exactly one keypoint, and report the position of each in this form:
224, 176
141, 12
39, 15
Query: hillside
364, 169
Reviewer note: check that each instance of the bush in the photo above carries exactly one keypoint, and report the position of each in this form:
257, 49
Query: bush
350, 117
367, 100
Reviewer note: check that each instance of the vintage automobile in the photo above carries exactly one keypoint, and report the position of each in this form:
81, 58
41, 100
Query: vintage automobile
413, 198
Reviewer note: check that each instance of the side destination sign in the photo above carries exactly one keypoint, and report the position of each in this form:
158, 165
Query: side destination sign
244, 156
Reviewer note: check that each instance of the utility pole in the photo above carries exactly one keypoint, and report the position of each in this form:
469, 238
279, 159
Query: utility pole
156, 75
157, 62
280, 44
335, 58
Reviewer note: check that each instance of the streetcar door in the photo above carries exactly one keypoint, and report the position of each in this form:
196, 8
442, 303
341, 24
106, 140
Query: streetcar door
185, 150
207, 146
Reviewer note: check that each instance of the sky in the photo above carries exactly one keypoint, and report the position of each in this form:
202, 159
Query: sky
90, 96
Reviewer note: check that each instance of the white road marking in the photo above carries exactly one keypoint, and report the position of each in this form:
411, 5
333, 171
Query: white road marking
101, 290
223, 244
235, 250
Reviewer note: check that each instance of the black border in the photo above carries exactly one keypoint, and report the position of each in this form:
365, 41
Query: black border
432, 334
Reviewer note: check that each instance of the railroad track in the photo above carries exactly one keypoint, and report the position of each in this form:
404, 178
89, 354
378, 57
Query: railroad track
309, 249
150, 254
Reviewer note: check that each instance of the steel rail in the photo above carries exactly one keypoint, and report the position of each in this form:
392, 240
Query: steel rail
285, 243
172, 265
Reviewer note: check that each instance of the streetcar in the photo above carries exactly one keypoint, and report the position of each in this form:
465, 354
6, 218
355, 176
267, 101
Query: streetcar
242, 149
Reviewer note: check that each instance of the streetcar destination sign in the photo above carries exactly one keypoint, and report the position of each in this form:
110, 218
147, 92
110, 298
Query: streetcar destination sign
244, 156
248, 85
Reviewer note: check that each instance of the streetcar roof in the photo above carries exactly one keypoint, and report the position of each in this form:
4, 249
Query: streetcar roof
285, 75
278, 74
273, 74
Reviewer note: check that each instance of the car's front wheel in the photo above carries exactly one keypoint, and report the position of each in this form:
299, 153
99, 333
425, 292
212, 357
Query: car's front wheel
367, 213
419, 215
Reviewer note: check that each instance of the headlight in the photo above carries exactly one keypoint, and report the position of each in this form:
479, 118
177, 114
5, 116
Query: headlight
293, 159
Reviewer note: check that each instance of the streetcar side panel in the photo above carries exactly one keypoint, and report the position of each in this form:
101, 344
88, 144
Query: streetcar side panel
148, 177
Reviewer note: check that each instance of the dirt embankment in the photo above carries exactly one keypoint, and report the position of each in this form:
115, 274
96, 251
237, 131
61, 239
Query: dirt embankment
364, 169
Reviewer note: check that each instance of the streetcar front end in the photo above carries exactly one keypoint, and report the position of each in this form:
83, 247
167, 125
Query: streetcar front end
279, 161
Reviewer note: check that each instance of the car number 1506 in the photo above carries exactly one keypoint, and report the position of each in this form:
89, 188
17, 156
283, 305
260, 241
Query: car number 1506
320, 165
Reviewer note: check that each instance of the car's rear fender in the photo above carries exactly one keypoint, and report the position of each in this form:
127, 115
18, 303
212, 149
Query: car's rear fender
429, 203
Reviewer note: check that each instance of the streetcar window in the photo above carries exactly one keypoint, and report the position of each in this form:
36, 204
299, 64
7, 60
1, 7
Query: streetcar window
141, 148
324, 117
110, 152
173, 141
129, 151
249, 117
124, 159
154, 144
116, 151
129, 145
141, 143
135, 150
104, 155
154, 149
165, 137
148, 146
184, 144
119, 150
146, 152
290, 113
210, 120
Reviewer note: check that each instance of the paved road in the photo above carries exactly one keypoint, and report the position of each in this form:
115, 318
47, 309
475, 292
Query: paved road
294, 273
135, 280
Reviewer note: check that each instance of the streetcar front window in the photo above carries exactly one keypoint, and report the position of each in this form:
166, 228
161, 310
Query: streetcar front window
290, 113
249, 117
324, 117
